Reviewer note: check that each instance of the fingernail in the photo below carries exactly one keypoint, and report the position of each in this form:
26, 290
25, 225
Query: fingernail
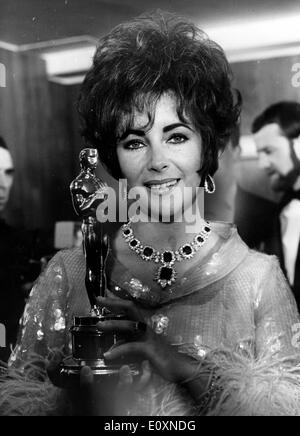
86, 370
125, 370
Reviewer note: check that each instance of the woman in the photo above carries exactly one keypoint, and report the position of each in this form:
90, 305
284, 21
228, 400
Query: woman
158, 106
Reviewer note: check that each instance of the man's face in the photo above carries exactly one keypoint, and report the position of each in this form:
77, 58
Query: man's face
275, 157
6, 176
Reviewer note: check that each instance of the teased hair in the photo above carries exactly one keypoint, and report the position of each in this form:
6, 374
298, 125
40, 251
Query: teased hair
286, 114
139, 61
3, 143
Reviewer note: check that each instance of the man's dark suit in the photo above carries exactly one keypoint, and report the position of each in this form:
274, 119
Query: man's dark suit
17, 268
258, 224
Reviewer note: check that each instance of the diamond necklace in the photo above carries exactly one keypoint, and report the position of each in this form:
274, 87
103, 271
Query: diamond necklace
166, 273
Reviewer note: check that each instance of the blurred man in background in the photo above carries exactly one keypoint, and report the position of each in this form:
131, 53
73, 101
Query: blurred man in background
15, 254
6, 174
271, 227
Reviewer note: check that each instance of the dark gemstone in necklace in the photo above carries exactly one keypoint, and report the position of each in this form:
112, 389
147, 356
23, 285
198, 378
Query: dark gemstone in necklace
148, 251
133, 243
200, 239
126, 232
207, 229
168, 256
166, 273
187, 249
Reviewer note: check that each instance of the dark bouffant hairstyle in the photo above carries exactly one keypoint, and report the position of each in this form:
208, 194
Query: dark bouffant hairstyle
139, 61
285, 113
3, 143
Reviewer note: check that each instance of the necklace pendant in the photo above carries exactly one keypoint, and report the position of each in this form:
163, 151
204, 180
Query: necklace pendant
168, 257
166, 275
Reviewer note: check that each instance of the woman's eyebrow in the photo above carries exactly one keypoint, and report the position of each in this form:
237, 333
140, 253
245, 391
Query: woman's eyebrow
175, 125
139, 132
132, 132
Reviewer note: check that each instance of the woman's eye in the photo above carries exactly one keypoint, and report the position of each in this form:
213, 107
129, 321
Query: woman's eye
9, 172
268, 151
177, 138
134, 145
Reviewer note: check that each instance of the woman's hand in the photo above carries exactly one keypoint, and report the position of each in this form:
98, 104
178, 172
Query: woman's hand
122, 399
123, 305
145, 344
142, 344
91, 398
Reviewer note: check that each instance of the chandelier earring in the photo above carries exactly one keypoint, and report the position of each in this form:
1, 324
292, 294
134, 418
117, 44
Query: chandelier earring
209, 185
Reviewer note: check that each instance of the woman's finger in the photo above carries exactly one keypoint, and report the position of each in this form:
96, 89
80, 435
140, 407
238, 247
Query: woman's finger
163, 358
125, 377
82, 395
87, 400
86, 378
146, 375
110, 294
118, 305
114, 303
135, 328
128, 348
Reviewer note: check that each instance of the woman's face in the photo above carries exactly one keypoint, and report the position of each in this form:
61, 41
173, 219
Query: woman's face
161, 160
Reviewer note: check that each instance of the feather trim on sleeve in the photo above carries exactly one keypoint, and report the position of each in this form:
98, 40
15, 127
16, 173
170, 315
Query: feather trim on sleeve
249, 386
29, 392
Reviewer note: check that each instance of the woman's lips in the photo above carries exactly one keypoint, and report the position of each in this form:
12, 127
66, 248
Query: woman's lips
161, 187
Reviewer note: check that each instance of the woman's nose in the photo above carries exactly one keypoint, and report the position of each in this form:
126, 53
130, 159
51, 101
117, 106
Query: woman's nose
3, 180
263, 161
158, 160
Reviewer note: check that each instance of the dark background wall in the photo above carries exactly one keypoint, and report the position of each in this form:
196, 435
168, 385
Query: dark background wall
38, 121
264, 82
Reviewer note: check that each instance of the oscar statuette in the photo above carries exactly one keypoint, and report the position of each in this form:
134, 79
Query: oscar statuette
88, 343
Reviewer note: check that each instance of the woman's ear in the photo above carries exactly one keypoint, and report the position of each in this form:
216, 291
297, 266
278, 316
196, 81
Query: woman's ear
202, 177
220, 153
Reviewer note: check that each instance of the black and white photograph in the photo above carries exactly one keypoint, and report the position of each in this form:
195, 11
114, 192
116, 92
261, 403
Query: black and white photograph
149, 210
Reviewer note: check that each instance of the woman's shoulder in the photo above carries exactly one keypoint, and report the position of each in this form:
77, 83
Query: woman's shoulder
231, 240
261, 267
264, 260
259, 275
71, 259
244, 261
258, 263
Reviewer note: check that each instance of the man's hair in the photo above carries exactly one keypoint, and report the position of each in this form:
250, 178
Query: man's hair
286, 114
3, 143
138, 62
